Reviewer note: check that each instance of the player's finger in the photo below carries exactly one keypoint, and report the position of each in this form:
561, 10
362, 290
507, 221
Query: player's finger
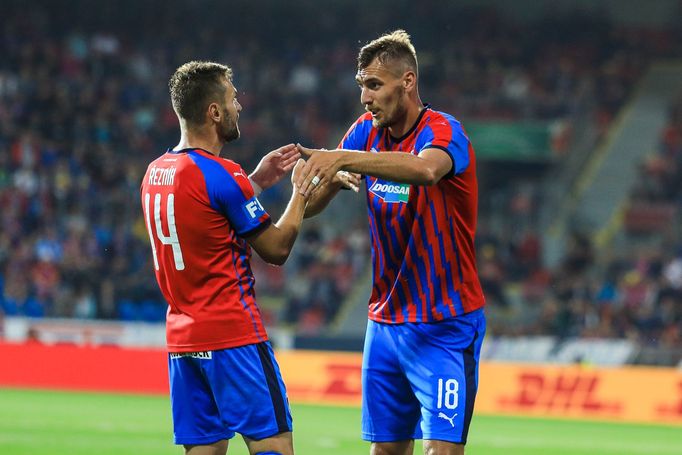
305, 151
303, 179
313, 182
349, 181
289, 151
283, 150
290, 158
287, 167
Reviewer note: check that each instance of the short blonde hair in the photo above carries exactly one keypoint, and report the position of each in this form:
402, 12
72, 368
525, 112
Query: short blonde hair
393, 47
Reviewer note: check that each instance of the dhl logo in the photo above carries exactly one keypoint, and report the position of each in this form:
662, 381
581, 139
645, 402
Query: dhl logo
559, 392
667, 410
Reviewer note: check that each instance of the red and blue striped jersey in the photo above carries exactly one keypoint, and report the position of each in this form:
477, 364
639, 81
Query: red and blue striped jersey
198, 208
424, 263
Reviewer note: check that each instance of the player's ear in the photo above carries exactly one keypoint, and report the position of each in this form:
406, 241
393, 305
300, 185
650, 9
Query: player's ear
409, 80
214, 112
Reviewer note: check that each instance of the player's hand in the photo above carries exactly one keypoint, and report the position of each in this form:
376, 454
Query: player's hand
347, 180
275, 165
320, 168
297, 173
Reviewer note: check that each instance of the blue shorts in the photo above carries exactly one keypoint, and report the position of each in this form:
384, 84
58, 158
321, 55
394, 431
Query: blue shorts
419, 380
215, 394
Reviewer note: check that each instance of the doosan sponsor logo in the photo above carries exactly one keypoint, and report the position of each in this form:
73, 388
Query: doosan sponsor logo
391, 192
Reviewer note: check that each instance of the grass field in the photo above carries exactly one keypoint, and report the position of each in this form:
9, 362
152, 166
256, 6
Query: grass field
61, 423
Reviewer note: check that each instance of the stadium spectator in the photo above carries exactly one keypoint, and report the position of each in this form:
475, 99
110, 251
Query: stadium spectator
80, 93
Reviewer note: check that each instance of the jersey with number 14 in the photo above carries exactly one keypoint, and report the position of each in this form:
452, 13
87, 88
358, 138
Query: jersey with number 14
424, 264
198, 208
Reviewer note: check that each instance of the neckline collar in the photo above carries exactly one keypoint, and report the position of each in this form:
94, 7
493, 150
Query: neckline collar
411, 130
186, 150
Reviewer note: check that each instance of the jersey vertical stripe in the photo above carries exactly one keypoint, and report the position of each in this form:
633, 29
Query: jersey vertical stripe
424, 265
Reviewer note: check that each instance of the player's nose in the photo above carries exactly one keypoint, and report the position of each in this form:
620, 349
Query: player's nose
365, 97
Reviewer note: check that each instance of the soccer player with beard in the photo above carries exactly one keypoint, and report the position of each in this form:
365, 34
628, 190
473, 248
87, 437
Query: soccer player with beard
426, 320
203, 218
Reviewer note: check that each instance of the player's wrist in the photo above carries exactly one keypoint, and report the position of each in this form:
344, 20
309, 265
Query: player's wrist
257, 189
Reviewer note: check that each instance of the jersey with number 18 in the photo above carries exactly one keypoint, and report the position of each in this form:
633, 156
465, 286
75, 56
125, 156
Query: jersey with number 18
198, 209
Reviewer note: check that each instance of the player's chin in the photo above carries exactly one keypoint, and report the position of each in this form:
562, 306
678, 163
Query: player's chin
376, 123
232, 135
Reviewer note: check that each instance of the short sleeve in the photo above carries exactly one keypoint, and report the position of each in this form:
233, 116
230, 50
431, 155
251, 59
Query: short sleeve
357, 135
231, 194
446, 134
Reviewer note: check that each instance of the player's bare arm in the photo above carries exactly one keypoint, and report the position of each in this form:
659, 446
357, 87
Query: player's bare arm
273, 167
275, 243
427, 168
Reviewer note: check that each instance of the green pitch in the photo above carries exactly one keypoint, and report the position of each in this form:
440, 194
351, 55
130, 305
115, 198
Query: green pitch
61, 423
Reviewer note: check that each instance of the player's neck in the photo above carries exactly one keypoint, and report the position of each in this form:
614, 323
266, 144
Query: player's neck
199, 139
414, 108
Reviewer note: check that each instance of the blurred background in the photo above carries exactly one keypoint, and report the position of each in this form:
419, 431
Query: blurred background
574, 108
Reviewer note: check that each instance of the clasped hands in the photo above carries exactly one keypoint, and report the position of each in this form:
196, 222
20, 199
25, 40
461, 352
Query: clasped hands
322, 168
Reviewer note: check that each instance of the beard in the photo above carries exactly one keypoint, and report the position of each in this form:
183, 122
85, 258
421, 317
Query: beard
228, 129
393, 112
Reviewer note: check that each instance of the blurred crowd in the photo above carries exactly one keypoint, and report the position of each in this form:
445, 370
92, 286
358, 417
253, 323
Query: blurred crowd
84, 107
634, 292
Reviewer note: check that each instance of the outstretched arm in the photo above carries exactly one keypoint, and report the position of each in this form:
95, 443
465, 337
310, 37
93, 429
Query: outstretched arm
273, 167
427, 168
275, 243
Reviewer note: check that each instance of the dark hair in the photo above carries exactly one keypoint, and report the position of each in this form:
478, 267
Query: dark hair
195, 85
390, 48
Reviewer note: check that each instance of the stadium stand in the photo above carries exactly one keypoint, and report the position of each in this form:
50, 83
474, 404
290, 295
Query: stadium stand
83, 105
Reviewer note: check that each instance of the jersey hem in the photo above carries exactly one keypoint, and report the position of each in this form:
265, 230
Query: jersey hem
215, 346
381, 320
268, 433
203, 440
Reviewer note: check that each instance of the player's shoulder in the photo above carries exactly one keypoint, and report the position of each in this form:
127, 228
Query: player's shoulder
445, 120
440, 116
363, 125
366, 117
229, 165
206, 159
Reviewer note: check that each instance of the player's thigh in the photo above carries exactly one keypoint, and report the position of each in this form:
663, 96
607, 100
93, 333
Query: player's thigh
390, 410
441, 363
197, 420
281, 444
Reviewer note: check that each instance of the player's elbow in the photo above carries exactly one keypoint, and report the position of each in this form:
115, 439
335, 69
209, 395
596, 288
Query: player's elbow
277, 256
278, 253
428, 176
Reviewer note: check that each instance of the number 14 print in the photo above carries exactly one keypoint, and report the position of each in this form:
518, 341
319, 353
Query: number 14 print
172, 237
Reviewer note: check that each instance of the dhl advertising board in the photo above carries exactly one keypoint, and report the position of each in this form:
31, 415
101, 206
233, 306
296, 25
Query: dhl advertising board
629, 394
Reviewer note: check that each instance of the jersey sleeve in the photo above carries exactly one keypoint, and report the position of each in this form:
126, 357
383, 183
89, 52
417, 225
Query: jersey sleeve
357, 135
231, 194
447, 135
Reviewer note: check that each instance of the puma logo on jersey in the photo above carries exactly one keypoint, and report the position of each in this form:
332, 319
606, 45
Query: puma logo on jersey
442, 415
240, 173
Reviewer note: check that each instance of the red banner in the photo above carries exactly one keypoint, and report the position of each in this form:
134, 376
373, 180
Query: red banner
634, 394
